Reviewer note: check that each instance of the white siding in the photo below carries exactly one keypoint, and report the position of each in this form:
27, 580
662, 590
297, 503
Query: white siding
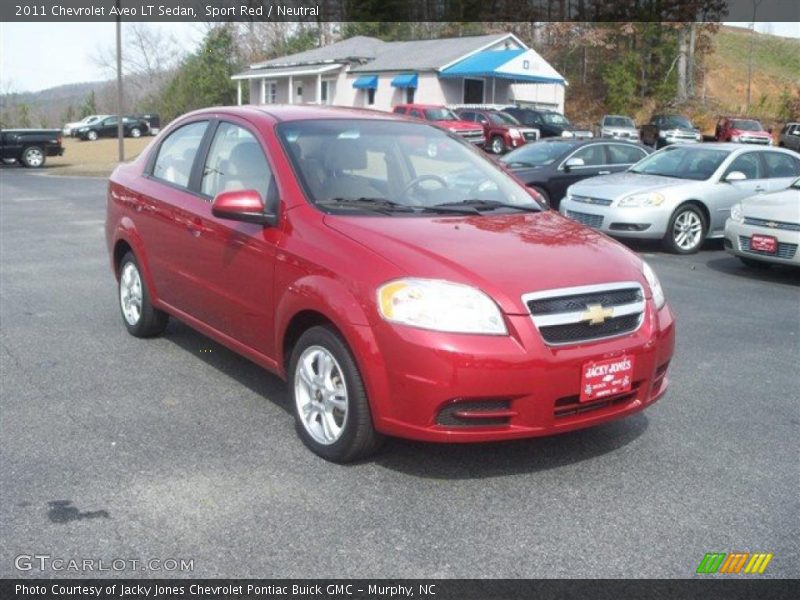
550, 95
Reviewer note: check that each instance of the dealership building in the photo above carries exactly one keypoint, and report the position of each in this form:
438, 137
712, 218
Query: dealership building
368, 72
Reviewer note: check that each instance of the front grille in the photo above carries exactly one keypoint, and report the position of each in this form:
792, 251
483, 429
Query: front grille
471, 135
530, 135
586, 218
590, 200
754, 140
785, 251
772, 224
447, 416
547, 306
562, 334
586, 313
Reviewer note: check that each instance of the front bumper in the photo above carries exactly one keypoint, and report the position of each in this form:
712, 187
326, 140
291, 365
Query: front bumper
420, 381
629, 222
737, 242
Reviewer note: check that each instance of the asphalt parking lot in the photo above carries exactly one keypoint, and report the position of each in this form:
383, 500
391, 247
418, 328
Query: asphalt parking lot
114, 447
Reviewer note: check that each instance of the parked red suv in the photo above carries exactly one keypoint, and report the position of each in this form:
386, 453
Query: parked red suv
443, 117
399, 294
503, 132
741, 130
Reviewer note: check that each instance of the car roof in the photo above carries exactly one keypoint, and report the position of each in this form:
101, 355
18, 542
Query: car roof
299, 112
415, 105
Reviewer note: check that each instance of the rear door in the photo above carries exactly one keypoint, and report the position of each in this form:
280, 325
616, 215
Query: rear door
621, 157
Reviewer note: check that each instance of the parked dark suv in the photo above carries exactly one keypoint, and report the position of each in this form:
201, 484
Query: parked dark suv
663, 130
548, 122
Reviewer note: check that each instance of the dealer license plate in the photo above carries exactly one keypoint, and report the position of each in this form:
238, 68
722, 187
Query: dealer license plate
606, 378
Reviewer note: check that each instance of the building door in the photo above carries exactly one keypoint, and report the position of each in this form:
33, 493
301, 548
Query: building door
473, 91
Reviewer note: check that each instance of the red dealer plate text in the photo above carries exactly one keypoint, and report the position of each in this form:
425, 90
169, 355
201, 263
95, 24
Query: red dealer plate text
603, 378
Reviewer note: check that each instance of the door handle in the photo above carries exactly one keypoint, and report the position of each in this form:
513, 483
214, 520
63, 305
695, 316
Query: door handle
760, 189
604, 172
195, 227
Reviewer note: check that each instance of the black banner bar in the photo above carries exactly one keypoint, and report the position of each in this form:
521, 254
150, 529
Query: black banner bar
398, 10
711, 588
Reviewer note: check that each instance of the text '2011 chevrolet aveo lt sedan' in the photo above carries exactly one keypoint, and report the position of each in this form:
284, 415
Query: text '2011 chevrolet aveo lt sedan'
399, 293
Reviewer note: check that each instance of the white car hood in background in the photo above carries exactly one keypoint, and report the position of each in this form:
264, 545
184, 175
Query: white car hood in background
781, 206
618, 185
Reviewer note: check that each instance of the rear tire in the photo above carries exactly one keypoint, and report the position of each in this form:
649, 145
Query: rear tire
140, 318
33, 157
329, 400
136, 132
686, 230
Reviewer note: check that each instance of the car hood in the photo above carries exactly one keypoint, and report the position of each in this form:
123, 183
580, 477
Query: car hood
506, 256
763, 134
459, 125
776, 206
631, 130
618, 185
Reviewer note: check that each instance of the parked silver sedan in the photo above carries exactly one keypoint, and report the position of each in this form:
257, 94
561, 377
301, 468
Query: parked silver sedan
681, 194
766, 229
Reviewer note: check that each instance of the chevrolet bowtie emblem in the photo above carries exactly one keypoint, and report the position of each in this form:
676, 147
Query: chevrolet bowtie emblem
596, 314
771, 224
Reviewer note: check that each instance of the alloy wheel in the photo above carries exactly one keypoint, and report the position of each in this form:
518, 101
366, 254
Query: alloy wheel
687, 231
130, 293
321, 395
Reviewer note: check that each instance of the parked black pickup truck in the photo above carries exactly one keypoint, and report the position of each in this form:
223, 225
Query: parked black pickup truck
663, 130
107, 127
31, 147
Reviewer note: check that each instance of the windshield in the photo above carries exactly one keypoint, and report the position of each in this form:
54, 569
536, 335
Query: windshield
678, 122
380, 167
501, 118
440, 114
746, 125
682, 162
537, 155
555, 119
618, 122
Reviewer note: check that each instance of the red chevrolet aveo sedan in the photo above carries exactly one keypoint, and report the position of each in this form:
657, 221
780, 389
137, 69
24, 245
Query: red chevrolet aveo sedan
400, 294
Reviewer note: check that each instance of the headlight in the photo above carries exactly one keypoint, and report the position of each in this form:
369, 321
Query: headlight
441, 306
662, 134
566, 134
655, 285
734, 138
736, 213
639, 200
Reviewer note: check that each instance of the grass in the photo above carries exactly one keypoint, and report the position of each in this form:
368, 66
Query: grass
96, 158
776, 66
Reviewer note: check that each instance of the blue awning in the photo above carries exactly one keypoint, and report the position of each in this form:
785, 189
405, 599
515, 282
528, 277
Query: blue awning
406, 80
516, 65
366, 82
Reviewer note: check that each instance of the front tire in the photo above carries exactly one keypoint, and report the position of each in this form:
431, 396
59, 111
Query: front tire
140, 318
91, 136
33, 157
543, 193
136, 132
686, 230
497, 145
329, 401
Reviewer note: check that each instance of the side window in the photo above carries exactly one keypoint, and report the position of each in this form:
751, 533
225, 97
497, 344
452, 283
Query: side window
749, 164
399, 110
235, 162
481, 119
624, 155
110, 121
176, 153
415, 113
592, 156
781, 165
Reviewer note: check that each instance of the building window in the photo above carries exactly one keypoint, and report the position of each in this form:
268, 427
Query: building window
371, 96
272, 90
327, 90
299, 91
410, 95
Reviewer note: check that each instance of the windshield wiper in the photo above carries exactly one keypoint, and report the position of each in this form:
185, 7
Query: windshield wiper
482, 205
374, 204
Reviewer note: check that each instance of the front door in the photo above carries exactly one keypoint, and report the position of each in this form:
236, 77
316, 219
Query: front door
729, 193
232, 263
473, 91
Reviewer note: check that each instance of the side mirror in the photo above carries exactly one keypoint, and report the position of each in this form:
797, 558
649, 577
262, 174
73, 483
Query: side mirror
735, 176
242, 205
573, 162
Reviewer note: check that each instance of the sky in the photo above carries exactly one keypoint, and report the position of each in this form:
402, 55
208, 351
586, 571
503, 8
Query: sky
27, 64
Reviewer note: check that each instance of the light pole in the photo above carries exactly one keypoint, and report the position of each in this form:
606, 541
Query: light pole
120, 129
